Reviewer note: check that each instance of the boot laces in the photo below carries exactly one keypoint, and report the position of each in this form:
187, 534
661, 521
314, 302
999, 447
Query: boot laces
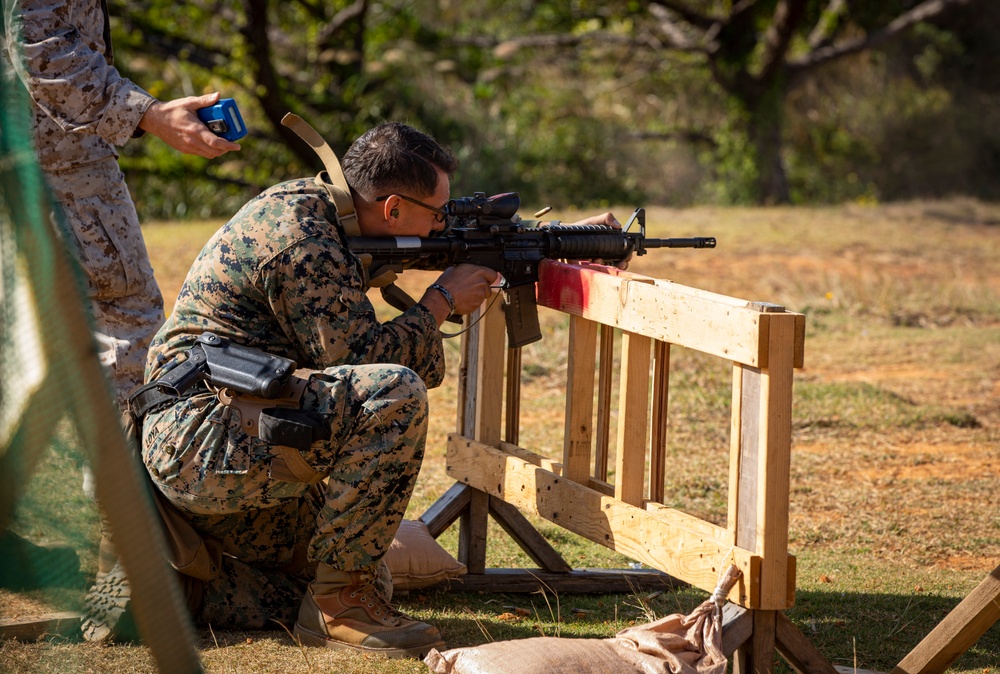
369, 595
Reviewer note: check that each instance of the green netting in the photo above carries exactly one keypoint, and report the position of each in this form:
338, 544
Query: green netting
56, 414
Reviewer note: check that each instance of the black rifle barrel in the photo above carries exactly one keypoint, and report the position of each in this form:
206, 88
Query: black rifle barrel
693, 242
556, 243
609, 245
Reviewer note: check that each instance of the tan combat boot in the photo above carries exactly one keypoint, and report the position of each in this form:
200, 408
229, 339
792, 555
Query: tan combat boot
108, 616
344, 609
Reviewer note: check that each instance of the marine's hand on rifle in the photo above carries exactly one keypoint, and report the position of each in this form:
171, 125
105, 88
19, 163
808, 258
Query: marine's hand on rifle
607, 220
468, 285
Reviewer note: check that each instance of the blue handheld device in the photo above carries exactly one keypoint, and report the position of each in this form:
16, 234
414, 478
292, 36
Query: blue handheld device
224, 119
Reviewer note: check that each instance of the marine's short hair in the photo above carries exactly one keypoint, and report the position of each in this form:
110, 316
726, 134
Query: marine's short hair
394, 158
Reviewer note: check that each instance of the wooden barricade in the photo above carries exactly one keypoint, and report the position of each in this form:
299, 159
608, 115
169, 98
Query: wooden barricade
494, 476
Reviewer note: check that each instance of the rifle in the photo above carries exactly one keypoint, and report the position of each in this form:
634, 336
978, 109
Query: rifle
487, 231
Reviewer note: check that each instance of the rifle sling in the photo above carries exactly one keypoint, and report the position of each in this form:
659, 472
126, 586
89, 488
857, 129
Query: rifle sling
337, 183
332, 178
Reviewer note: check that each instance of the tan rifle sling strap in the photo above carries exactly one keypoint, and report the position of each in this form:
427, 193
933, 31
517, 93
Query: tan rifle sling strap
336, 184
334, 180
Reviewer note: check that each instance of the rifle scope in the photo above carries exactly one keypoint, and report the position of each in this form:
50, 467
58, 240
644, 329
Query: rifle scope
500, 206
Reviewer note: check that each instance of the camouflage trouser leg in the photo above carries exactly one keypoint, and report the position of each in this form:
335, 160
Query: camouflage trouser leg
380, 445
377, 417
245, 597
125, 299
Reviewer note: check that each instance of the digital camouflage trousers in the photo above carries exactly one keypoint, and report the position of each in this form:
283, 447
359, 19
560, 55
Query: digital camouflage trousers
106, 239
199, 456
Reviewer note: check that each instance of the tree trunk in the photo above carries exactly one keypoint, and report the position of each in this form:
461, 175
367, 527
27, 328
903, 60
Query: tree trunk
766, 123
269, 91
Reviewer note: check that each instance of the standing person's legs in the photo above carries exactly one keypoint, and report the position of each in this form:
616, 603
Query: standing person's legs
106, 239
125, 302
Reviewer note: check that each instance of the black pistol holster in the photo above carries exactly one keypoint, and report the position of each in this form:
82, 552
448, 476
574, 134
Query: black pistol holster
264, 389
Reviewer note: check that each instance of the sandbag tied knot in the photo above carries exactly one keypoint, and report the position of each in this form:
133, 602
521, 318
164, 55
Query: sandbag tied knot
726, 582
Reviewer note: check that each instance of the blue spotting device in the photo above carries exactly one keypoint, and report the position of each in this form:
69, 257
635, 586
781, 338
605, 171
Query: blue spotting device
224, 119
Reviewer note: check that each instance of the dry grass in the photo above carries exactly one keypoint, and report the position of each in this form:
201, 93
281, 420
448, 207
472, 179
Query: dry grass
896, 435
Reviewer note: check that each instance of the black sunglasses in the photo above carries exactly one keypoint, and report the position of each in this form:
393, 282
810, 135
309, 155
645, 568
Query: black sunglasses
440, 214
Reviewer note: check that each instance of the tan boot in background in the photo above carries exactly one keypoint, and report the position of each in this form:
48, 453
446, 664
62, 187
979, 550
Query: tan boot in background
346, 610
108, 613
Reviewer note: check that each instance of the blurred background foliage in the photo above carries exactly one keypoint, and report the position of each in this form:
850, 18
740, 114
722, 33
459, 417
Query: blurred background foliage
585, 102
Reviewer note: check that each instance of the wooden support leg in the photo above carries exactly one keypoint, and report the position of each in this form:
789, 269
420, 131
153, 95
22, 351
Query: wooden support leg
525, 535
756, 655
455, 504
798, 651
737, 635
472, 532
737, 627
447, 509
959, 630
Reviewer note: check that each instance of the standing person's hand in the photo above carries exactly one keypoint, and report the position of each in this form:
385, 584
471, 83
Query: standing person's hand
176, 123
607, 219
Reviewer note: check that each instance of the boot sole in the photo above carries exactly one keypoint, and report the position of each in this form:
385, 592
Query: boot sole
309, 638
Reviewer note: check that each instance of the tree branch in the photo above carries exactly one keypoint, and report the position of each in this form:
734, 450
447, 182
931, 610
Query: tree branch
340, 19
675, 36
827, 25
922, 12
787, 16
697, 19
691, 136
167, 44
545, 40
314, 8
271, 96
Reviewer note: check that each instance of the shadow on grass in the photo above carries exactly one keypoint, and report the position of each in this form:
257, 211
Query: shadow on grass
876, 631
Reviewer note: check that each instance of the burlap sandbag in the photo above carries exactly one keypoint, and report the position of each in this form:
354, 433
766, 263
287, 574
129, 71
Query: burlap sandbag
676, 644
417, 561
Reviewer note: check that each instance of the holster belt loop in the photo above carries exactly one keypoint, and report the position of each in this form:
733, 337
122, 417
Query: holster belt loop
289, 466
251, 407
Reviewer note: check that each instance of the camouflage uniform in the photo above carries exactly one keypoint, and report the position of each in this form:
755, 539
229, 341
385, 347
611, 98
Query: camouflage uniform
279, 278
82, 109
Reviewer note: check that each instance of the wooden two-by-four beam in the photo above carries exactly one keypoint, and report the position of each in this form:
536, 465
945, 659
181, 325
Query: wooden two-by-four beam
674, 542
